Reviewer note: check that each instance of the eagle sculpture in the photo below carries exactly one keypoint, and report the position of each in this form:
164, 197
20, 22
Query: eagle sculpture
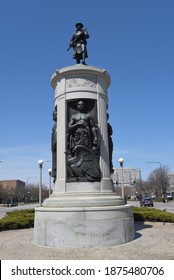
83, 165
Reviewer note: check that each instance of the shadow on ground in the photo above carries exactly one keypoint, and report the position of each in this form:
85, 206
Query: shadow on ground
140, 226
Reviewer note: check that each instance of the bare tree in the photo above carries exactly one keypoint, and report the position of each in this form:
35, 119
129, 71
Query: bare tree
32, 193
1, 194
127, 191
141, 188
158, 181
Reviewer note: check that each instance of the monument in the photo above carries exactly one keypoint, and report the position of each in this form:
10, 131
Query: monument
83, 210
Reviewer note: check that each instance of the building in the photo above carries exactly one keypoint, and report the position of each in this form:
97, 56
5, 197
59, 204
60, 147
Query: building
171, 182
130, 176
11, 190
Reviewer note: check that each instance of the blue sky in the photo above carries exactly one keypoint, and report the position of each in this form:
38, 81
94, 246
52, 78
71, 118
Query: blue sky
132, 39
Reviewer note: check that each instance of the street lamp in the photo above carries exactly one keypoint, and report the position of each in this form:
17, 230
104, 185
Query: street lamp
49, 172
162, 185
121, 160
40, 185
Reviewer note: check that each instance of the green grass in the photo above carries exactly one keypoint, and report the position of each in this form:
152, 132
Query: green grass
21, 219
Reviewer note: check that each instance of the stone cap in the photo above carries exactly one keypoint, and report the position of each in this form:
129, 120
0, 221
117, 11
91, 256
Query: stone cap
79, 69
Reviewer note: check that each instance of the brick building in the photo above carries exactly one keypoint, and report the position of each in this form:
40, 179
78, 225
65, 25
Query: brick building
11, 190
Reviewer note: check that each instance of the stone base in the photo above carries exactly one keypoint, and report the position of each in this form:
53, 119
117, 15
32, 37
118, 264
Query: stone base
83, 200
78, 227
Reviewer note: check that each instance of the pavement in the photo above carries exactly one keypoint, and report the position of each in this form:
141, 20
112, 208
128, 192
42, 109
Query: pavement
153, 241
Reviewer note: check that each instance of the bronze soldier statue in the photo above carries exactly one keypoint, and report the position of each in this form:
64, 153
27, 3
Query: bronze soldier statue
79, 42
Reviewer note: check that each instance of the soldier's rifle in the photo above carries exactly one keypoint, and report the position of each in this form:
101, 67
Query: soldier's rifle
76, 39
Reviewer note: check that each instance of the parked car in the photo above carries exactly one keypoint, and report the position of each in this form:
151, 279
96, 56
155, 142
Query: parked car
147, 201
13, 204
169, 196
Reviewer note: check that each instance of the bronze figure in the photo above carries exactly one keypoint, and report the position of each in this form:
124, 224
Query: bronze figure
82, 147
82, 129
110, 143
54, 145
79, 42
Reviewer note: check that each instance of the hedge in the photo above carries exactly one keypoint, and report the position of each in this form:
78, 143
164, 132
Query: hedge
18, 219
152, 214
21, 219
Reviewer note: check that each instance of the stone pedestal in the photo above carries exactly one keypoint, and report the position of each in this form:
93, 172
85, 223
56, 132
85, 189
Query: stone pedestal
82, 214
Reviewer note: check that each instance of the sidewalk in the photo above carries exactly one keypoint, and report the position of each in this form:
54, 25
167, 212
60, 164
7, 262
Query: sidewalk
153, 241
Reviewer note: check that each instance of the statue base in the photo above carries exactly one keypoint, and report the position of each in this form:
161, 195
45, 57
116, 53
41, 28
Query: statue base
90, 220
83, 210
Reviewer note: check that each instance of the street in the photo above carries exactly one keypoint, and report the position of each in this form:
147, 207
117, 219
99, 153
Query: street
168, 206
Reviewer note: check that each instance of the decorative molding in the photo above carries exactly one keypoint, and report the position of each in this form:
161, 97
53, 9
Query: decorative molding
80, 82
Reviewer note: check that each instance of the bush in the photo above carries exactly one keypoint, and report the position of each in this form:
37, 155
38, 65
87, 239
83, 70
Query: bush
17, 220
21, 219
152, 214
